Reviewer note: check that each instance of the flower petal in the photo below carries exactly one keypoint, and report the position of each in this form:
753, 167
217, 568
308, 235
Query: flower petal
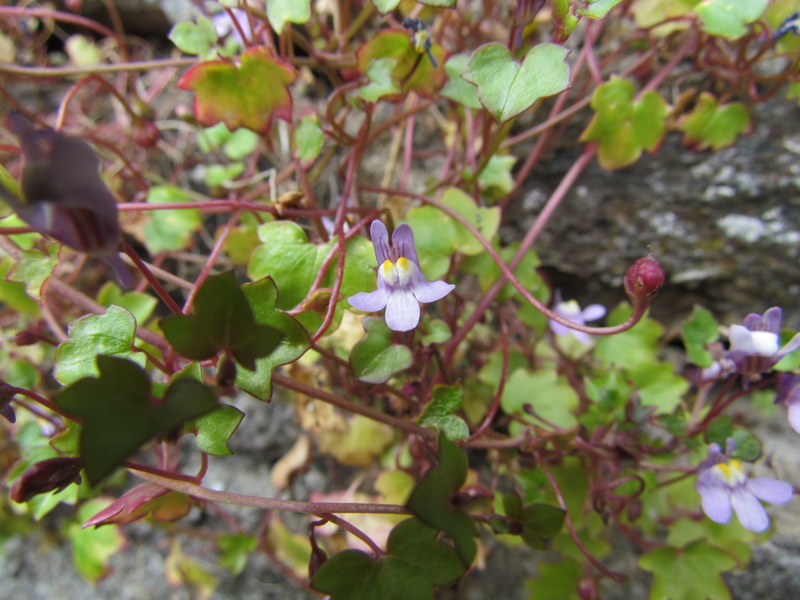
716, 502
402, 311
403, 244
770, 490
380, 241
748, 509
431, 291
794, 416
772, 319
753, 343
593, 312
369, 301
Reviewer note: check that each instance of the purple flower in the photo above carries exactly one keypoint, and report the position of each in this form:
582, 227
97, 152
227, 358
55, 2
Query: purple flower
401, 284
224, 25
754, 346
789, 396
572, 310
724, 488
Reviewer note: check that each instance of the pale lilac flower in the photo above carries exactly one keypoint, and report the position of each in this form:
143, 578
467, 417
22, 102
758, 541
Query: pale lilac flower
754, 346
401, 284
224, 25
572, 310
724, 489
789, 396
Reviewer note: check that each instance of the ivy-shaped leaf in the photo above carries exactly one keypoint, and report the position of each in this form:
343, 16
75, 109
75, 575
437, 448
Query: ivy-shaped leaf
689, 573
598, 9
216, 428
308, 139
506, 88
728, 18
222, 321
440, 412
432, 500
659, 386
248, 95
698, 331
375, 359
198, 38
381, 84
263, 296
536, 523
457, 88
547, 394
234, 549
714, 126
33, 268
624, 127
119, 414
412, 70
170, 229
109, 334
415, 562
92, 548
280, 12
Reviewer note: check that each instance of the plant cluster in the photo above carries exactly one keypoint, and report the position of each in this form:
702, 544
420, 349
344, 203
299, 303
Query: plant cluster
301, 203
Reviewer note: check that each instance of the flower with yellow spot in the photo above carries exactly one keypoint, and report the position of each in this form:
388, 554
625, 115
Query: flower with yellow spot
401, 284
724, 488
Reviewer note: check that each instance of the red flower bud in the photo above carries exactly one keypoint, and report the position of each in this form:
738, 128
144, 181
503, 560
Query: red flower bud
587, 589
46, 476
146, 134
643, 279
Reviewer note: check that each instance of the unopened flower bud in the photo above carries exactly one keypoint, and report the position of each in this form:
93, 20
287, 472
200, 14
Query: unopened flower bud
146, 134
587, 589
26, 338
46, 476
643, 279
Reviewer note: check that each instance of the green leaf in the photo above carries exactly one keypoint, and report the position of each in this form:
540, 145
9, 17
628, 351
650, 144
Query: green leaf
13, 294
700, 330
415, 562
437, 332
280, 12
385, 6
497, 174
220, 175
111, 334
262, 296
380, 83
555, 581
598, 9
235, 548
236, 144
714, 126
33, 268
288, 258
375, 359
540, 524
728, 18
140, 305
216, 428
485, 220
198, 38
548, 395
659, 386
412, 71
440, 412
506, 88
432, 500
457, 88
93, 547
170, 229
223, 320
248, 95
308, 139
119, 415
689, 573
624, 127
632, 347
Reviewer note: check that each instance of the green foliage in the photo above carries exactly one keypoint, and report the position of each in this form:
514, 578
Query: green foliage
376, 359
440, 412
598, 9
507, 88
457, 88
228, 93
33, 268
698, 563
623, 125
110, 334
308, 139
119, 415
415, 562
170, 229
198, 38
728, 18
216, 428
235, 548
223, 321
263, 296
280, 12
547, 395
715, 126
536, 523
139, 304
93, 548
431, 501
698, 331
